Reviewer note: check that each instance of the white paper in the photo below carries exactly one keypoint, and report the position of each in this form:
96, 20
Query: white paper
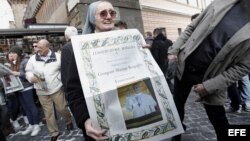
4, 70
11, 84
125, 90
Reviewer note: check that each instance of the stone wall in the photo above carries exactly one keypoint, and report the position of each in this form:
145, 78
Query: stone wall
172, 15
127, 11
18, 8
171, 22
52, 11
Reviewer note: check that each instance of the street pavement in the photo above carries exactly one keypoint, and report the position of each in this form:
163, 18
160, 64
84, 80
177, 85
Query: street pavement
198, 126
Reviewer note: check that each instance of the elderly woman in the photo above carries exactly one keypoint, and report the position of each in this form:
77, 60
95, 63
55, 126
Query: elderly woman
100, 18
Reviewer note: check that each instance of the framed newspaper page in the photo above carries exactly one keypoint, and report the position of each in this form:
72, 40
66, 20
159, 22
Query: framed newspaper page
125, 91
4, 70
11, 84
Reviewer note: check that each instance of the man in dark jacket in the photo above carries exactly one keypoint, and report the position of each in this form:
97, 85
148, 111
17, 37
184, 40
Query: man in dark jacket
159, 50
3, 112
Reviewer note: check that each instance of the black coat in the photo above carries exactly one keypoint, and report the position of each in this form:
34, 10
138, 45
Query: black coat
159, 51
72, 87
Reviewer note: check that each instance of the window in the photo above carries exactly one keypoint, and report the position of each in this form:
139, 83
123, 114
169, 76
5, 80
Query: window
179, 31
183, 1
11, 41
193, 3
197, 1
2, 41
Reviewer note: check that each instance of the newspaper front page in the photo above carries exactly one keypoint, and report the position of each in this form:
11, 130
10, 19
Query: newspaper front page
4, 70
11, 83
125, 90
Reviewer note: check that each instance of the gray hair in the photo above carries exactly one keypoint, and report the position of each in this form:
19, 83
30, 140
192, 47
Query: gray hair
89, 26
70, 31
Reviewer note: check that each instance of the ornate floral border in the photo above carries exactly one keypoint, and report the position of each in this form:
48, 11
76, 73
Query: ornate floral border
98, 99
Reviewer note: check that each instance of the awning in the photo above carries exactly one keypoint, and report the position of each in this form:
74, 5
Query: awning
20, 33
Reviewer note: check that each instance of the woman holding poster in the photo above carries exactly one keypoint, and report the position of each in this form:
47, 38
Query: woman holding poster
99, 71
100, 18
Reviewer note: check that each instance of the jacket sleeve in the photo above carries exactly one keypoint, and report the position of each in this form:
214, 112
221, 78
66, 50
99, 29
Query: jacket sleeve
229, 76
29, 69
72, 86
22, 68
155, 51
187, 33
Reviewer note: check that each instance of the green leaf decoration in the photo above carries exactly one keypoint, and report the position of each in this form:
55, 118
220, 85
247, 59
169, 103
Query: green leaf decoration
117, 138
129, 136
144, 135
100, 114
157, 131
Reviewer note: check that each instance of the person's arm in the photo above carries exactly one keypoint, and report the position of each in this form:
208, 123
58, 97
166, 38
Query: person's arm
29, 71
22, 68
229, 76
174, 50
72, 86
75, 96
155, 51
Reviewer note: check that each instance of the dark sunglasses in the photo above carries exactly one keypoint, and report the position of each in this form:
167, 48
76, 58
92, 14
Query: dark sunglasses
34, 46
104, 14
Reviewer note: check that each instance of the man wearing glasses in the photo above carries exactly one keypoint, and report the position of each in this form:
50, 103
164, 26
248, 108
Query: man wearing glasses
44, 71
100, 18
34, 48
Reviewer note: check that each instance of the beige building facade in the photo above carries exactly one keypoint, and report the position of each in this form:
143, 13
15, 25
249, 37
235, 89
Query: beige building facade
73, 12
171, 15
18, 7
47, 11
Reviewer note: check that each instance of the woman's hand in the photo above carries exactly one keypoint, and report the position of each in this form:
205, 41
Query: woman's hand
34, 79
15, 73
172, 57
146, 46
96, 134
201, 91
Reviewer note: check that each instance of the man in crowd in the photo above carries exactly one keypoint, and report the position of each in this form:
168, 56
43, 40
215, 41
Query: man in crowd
149, 38
120, 25
212, 53
43, 70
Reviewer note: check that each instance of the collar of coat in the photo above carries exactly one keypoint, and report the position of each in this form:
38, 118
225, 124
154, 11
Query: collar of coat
51, 59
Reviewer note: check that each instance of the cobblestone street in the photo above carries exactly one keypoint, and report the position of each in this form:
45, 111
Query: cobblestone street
198, 126
74, 135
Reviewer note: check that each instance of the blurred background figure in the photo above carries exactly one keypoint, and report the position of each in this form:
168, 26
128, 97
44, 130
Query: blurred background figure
34, 47
3, 113
69, 32
149, 38
194, 16
13, 103
159, 51
120, 25
25, 96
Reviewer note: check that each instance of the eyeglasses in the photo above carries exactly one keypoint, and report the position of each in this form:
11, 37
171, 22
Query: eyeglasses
104, 14
34, 46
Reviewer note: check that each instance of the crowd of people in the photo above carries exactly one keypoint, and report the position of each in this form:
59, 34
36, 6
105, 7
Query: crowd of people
220, 34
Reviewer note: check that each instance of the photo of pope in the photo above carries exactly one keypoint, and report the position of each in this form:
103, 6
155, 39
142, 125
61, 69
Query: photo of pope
140, 104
